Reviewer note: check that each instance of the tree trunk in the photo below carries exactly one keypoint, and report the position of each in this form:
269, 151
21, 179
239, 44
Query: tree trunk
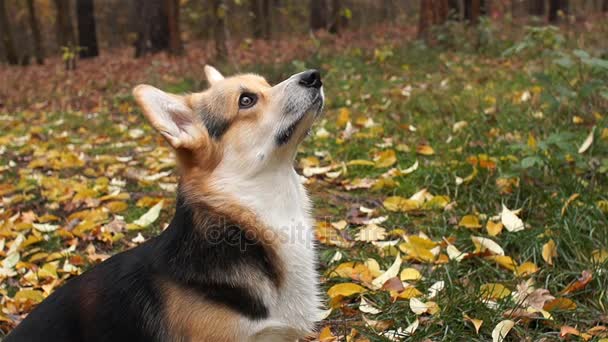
35, 32
87, 32
261, 21
454, 10
555, 6
441, 11
338, 21
536, 7
220, 30
65, 28
152, 27
7, 37
318, 14
605, 6
176, 47
425, 20
472, 10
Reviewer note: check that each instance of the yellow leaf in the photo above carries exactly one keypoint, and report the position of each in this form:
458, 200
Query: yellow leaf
494, 228
549, 252
326, 335
150, 216
504, 261
470, 221
454, 253
560, 304
116, 206
360, 162
531, 141
33, 295
344, 289
587, 143
343, 117
525, 269
385, 159
409, 292
494, 291
568, 202
398, 203
501, 330
410, 274
425, 150
599, 256
476, 322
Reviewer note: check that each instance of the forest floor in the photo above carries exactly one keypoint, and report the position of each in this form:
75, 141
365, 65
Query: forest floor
460, 190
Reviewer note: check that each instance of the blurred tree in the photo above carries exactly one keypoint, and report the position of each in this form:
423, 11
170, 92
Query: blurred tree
472, 10
339, 19
432, 12
66, 36
318, 14
555, 8
175, 41
33, 21
605, 6
536, 7
87, 33
220, 29
152, 27
7, 37
262, 18
454, 12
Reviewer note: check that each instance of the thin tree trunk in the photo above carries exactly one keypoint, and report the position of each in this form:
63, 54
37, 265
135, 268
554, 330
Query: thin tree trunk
454, 10
7, 37
35, 32
87, 31
318, 14
555, 7
262, 18
605, 6
337, 20
441, 11
472, 10
425, 20
220, 30
176, 47
267, 12
536, 7
152, 27
65, 27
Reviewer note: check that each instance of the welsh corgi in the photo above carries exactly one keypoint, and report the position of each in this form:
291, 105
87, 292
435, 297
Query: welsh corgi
238, 260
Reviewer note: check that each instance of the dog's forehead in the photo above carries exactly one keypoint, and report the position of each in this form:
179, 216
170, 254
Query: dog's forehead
242, 82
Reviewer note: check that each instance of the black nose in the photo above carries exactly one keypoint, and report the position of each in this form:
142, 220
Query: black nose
311, 79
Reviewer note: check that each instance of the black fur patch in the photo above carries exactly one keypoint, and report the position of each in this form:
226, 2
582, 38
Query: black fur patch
216, 126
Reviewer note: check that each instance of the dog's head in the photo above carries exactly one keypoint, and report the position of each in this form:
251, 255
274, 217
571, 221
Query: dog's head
240, 124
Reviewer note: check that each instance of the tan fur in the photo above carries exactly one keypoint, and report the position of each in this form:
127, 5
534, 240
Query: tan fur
191, 318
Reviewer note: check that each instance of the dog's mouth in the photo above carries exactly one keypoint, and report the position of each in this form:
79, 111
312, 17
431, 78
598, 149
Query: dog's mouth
312, 113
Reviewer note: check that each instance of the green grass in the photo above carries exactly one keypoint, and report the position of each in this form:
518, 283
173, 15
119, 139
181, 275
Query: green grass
448, 86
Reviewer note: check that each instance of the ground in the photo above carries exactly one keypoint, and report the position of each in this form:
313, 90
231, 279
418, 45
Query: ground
460, 189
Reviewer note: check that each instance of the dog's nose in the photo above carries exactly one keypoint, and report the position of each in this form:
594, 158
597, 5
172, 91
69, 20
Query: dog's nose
311, 79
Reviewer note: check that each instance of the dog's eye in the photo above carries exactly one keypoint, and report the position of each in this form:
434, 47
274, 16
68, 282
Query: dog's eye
247, 100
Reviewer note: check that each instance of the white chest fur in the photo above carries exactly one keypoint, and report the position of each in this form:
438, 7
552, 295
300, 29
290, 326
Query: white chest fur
280, 200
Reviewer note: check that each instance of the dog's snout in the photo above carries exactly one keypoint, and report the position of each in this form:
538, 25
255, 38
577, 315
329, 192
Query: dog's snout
311, 79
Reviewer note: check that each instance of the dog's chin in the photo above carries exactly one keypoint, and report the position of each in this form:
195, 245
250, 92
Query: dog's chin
300, 127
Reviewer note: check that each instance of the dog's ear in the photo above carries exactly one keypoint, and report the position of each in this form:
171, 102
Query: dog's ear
212, 74
172, 116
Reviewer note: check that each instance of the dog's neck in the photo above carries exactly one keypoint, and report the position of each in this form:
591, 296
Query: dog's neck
276, 196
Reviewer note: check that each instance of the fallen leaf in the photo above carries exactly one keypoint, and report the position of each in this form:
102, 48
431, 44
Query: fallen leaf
455, 254
371, 232
501, 330
476, 322
398, 203
494, 228
150, 216
560, 304
385, 159
469, 221
511, 222
483, 244
409, 331
549, 252
366, 307
425, 150
568, 202
525, 269
588, 141
410, 274
417, 306
392, 271
345, 290
494, 291
578, 284
45, 227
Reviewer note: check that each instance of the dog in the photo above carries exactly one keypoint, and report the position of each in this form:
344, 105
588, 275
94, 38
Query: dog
237, 262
